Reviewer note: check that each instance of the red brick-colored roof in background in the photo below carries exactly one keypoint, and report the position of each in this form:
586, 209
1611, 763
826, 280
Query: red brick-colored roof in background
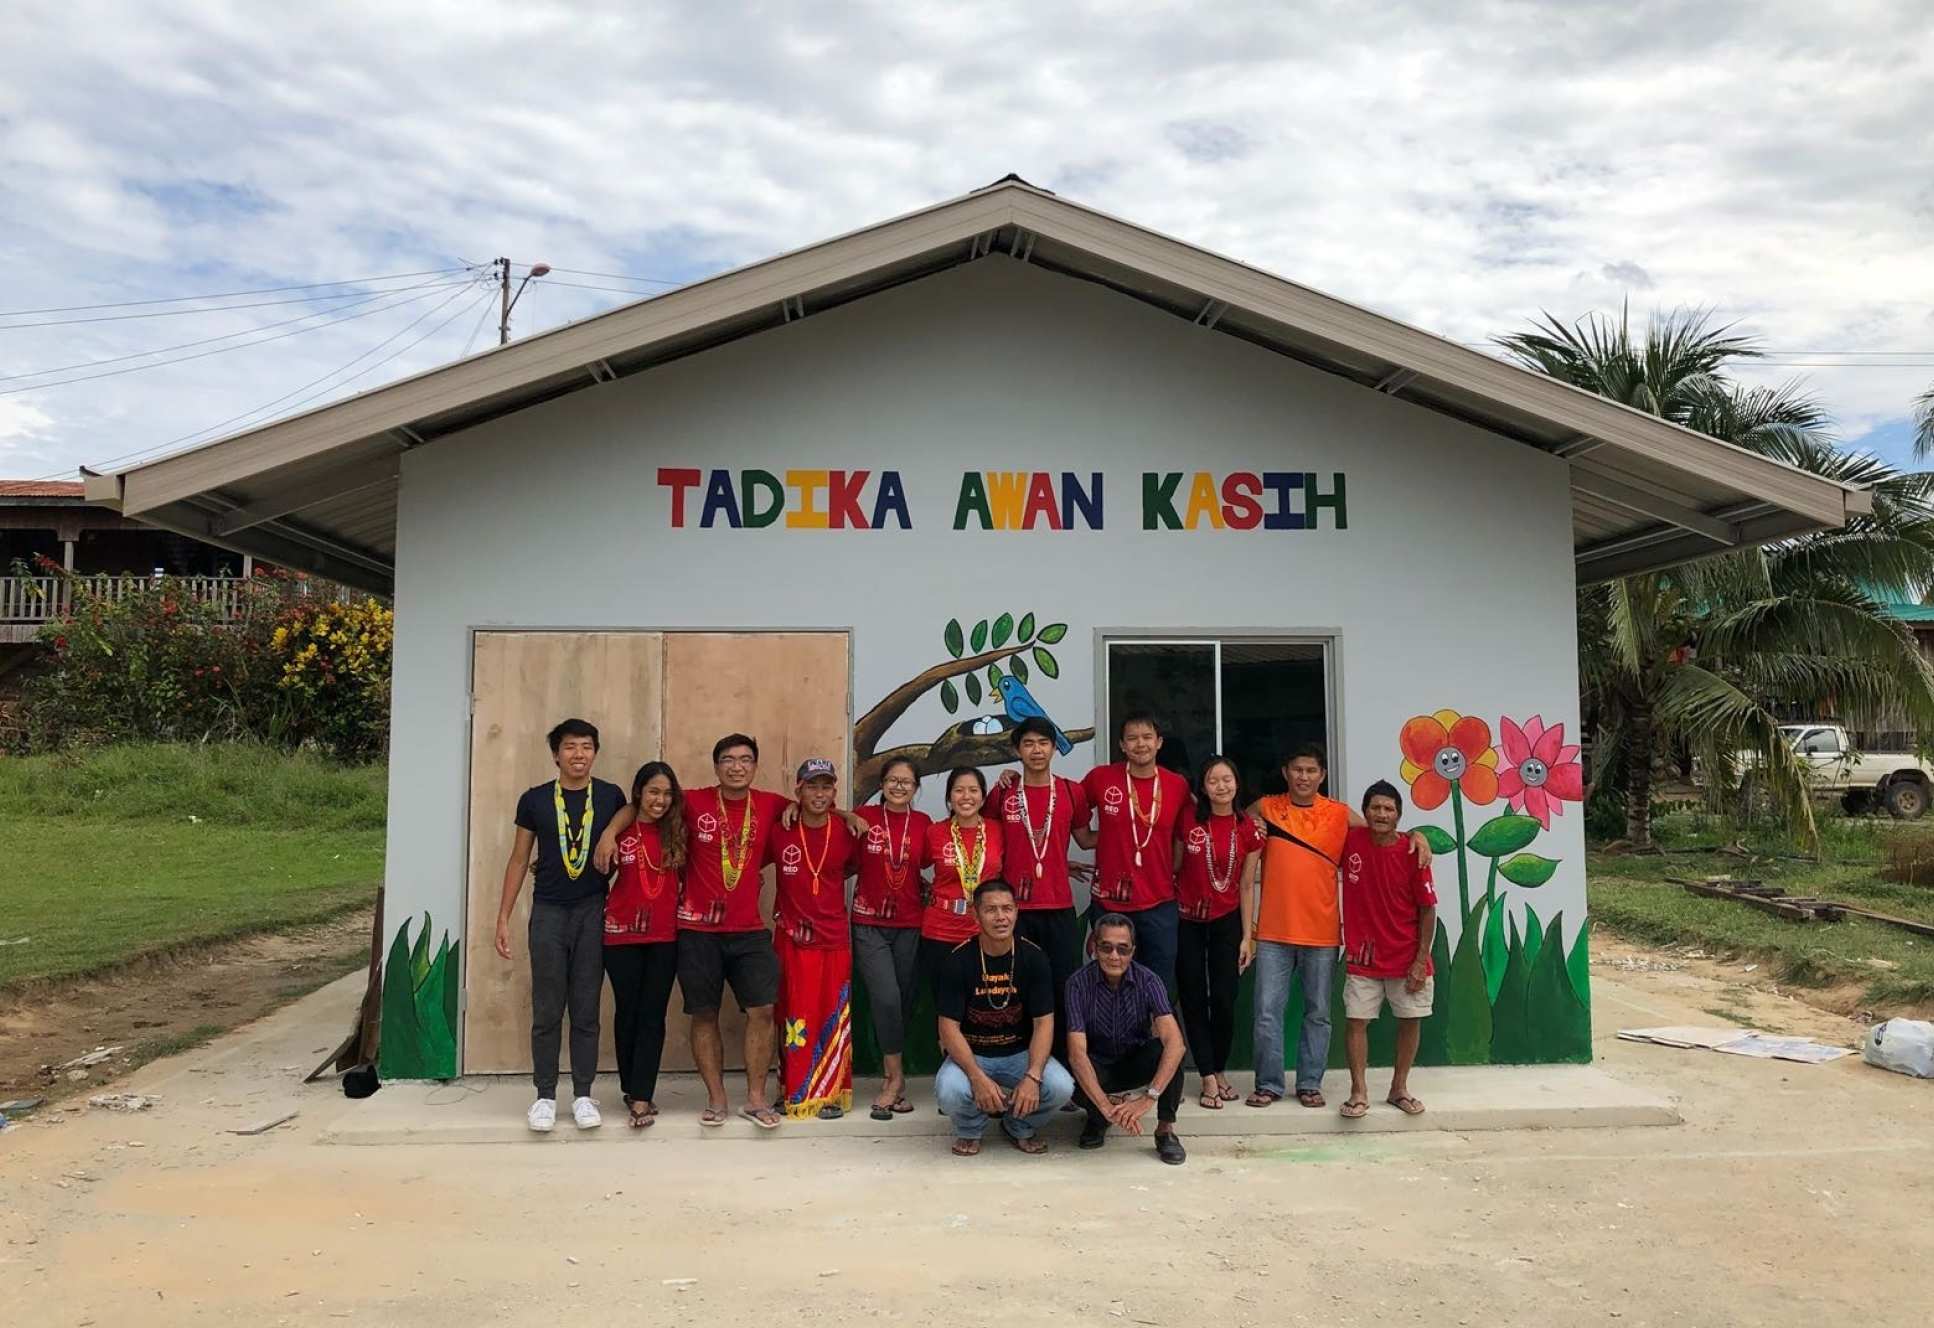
40, 489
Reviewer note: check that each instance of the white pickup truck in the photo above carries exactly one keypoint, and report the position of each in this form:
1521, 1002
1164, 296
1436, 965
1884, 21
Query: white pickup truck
1898, 781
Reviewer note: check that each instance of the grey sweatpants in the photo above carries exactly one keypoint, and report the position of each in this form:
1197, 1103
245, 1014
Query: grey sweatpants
883, 957
567, 970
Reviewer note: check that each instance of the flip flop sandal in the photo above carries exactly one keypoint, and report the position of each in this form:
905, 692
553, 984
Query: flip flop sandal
1408, 1105
1263, 1097
1228, 1093
1355, 1109
712, 1116
880, 1113
1209, 1101
639, 1119
966, 1148
763, 1117
901, 1106
1031, 1146
1310, 1098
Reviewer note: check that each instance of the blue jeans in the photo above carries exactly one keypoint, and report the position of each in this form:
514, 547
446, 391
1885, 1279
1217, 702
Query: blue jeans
1276, 967
956, 1094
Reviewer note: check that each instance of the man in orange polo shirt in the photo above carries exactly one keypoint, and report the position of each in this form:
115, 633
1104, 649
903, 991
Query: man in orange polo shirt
1292, 925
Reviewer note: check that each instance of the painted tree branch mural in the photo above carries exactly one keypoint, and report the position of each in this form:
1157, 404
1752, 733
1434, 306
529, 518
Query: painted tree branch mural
989, 661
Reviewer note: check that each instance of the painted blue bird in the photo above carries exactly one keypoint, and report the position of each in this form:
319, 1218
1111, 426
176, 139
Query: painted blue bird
1021, 705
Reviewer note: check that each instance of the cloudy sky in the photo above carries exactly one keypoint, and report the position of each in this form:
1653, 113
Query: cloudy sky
1768, 161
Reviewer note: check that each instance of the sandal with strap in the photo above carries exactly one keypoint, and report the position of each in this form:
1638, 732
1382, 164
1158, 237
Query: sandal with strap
1264, 1097
1355, 1108
1209, 1100
1407, 1104
641, 1118
1309, 1097
1031, 1146
711, 1117
966, 1148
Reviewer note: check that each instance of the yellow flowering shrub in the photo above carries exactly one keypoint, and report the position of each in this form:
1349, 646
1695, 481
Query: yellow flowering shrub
335, 660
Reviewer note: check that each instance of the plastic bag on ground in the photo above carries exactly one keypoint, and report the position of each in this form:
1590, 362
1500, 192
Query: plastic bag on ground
1905, 1046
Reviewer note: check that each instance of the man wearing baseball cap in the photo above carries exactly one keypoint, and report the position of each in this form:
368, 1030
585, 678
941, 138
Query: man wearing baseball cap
813, 940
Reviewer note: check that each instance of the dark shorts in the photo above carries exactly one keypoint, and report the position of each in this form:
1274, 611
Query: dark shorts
707, 960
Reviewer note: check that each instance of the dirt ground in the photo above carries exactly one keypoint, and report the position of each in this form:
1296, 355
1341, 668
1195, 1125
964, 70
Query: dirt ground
1791, 1195
165, 1004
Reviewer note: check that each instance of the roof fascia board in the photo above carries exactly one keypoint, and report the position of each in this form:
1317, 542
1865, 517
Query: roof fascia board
340, 482
561, 352
1429, 355
271, 544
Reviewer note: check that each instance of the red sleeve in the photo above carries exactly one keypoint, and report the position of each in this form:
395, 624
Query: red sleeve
771, 806
1254, 837
1091, 792
1081, 808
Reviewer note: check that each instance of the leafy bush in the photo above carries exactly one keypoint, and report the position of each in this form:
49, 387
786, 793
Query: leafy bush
164, 662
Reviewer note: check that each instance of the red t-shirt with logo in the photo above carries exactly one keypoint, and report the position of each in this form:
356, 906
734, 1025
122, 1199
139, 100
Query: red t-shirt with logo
714, 823
642, 905
810, 865
1040, 879
950, 911
1383, 887
1120, 881
1209, 886
891, 858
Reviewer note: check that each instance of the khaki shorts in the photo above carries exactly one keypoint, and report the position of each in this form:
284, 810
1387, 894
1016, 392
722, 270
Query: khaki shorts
1363, 997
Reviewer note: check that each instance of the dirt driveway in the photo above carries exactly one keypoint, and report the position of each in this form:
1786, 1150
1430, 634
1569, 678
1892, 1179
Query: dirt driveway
1791, 1195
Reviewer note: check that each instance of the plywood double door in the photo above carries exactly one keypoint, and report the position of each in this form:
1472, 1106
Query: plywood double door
654, 696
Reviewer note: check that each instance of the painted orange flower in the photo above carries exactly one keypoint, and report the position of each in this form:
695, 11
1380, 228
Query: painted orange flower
1448, 749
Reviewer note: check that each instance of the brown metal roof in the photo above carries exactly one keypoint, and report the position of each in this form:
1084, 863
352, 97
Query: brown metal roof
318, 490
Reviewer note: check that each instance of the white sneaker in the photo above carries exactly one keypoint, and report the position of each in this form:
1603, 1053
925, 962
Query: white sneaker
585, 1112
542, 1115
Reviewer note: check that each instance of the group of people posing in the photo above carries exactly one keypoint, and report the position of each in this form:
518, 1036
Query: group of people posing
1189, 887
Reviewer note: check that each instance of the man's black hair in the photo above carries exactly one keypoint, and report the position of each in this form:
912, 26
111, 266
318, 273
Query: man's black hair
572, 728
986, 888
1116, 920
731, 740
1383, 788
1038, 725
1137, 717
1312, 750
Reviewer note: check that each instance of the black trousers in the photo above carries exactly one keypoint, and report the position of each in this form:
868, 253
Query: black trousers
1057, 931
567, 971
1137, 1069
1205, 972
641, 987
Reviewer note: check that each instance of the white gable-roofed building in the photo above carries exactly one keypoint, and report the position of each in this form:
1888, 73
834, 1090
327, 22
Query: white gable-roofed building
865, 497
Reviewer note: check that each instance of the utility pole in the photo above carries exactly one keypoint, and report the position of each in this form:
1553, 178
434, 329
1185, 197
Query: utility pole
508, 301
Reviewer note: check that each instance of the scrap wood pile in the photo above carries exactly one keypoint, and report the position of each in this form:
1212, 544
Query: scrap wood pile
1797, 908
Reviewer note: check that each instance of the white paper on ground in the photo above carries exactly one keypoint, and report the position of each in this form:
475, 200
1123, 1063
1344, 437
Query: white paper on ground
1681, 1036
1767, 1047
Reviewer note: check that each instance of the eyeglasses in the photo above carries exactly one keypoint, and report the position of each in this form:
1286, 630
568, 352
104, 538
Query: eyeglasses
738, 760
897, 783
1122, 948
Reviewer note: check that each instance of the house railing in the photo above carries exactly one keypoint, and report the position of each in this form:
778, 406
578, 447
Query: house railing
31, 600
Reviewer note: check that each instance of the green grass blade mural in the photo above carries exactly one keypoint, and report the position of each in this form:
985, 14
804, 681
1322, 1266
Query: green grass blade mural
419, 1038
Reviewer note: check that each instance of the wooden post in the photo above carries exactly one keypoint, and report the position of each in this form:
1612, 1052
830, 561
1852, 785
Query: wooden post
67, 554
248, 566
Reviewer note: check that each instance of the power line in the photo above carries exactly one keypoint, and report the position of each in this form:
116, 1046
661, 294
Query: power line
615, 290
229, 336
224, 295
212, 309
620, 276
222, 350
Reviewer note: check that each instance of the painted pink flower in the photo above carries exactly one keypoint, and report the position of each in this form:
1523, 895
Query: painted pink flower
1540, 770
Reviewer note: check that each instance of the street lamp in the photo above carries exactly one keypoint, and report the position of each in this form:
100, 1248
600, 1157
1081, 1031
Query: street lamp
509, 301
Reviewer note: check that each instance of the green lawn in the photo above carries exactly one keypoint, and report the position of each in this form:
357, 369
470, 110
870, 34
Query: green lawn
113, 855
1630, 895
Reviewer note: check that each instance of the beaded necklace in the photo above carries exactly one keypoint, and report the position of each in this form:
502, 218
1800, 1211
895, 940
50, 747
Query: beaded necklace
1219, 881
969, 872
729, 869
574, 848
1038, 843
1142, 841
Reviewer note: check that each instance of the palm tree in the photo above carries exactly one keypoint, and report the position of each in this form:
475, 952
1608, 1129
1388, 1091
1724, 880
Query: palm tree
1709, 656
1924, 423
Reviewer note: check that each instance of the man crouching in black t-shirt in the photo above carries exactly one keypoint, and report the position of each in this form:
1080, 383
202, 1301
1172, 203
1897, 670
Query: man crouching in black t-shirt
996, 1000
563, 820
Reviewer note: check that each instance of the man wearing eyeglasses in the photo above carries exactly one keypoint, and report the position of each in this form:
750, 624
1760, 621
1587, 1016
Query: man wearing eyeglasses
1122, 1035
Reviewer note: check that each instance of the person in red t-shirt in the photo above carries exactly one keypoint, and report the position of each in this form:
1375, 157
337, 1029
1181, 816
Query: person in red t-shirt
814, 948
1218, 856
1389, 922
641, 933
1040, 813
965, 850
1141, 808
887, 902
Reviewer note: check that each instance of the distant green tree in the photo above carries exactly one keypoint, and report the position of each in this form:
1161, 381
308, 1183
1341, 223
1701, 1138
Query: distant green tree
1709, 656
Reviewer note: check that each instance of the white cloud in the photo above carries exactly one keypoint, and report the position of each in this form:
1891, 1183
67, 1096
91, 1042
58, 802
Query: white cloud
1461, 167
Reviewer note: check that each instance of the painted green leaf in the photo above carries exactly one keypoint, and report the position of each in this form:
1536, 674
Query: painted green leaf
1534, 937
1439, 839
452, 989
1578, 969
1025, 632
1510, 1041
1497, 953
994, 679
1020, 669
972, 681
1003, 628
1045, 662
1527, 870
420, 956
1433, 1046
1053, 632
1504, 834
1557, 1022
978, 639
1469, 997
949, 696
435, 1037
956, 643
401, 1053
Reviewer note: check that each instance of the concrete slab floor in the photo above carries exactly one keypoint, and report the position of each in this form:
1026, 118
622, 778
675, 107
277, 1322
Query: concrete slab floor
1790, 1194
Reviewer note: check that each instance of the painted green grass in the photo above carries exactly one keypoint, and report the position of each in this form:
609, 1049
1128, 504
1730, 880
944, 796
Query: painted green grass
1631, 897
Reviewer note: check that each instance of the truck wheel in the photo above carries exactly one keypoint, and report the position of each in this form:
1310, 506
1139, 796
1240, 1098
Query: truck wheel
1906, 799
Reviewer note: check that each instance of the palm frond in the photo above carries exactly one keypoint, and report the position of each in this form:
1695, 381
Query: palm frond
1715, 715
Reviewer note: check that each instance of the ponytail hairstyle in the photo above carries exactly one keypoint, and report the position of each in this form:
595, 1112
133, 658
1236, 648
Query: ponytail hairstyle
1202, 812
671, 826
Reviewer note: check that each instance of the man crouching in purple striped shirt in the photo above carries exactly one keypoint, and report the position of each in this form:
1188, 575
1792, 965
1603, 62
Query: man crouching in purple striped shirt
1123, 1035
